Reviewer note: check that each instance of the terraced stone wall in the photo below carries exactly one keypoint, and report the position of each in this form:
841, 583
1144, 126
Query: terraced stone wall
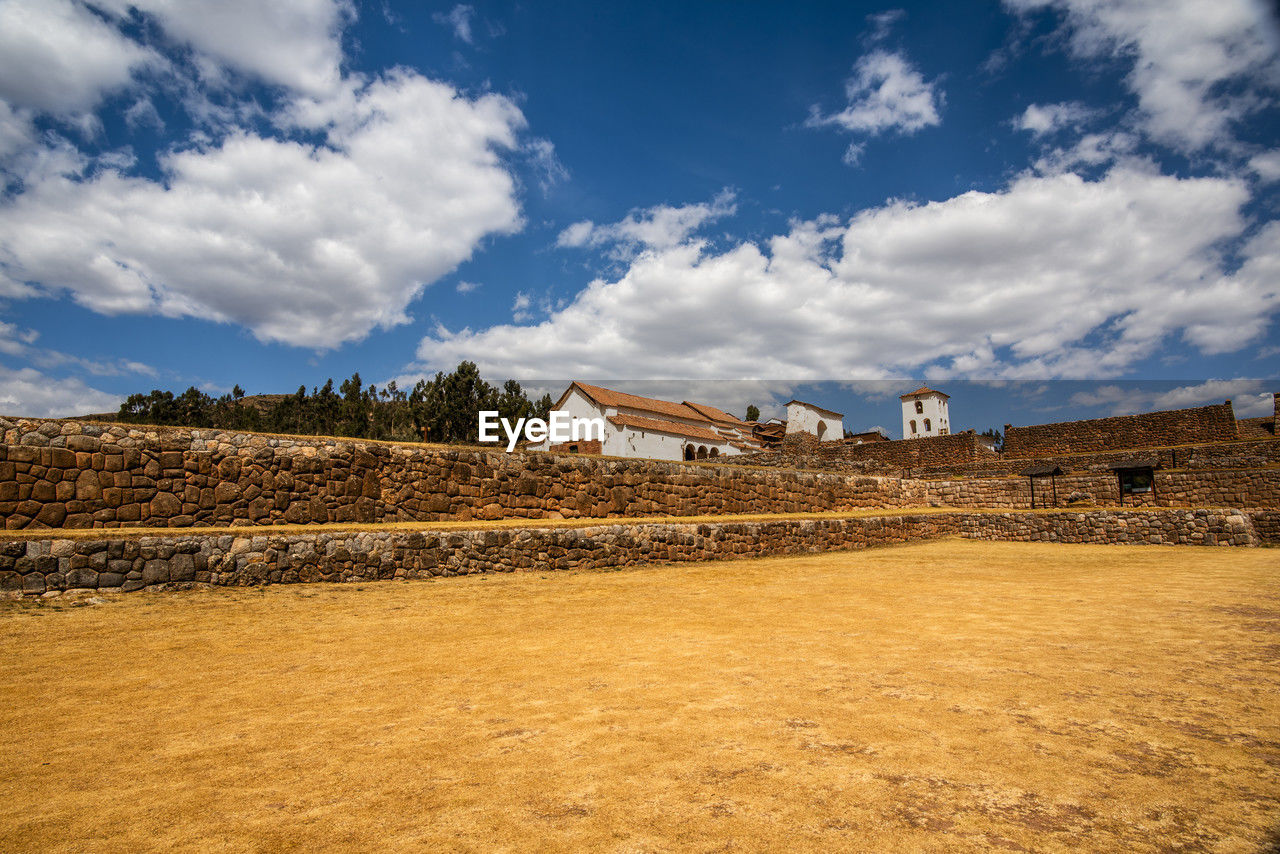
79, 475
39, 566
1148, 430
1248, 488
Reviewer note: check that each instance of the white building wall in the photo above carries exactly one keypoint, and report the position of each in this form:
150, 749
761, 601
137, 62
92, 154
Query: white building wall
934, 410
634, 442
806, 419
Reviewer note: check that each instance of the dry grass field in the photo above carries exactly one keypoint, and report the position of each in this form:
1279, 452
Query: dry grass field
946, 696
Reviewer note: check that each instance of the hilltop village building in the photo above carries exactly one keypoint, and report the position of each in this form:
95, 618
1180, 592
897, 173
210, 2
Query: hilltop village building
806, 418
924, 413
637, 426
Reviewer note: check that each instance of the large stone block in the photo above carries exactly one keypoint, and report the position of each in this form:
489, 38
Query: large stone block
155, 571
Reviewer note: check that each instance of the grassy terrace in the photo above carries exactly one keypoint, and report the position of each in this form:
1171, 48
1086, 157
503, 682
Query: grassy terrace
940, 696
476, 525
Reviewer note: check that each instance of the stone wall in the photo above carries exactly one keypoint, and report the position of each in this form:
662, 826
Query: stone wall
1245, 489
1219, 455
1148, 430
956, 450
1266, 524
41, 565
80, 475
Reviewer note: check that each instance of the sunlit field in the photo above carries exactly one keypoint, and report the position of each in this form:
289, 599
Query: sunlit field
945, 696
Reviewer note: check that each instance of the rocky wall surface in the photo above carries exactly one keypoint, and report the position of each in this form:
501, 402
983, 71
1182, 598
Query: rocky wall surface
802, 450
1266, 524
1148, 430
1244, 488
1221, 455
39, 566
82, 475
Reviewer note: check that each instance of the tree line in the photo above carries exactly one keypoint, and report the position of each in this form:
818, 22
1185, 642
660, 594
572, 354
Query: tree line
442, 409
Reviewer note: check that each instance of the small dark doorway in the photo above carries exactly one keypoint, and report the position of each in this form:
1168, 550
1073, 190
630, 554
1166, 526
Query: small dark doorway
1137, 477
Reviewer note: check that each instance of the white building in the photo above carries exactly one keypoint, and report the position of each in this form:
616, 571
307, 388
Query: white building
638, 426
924, 413
804, 417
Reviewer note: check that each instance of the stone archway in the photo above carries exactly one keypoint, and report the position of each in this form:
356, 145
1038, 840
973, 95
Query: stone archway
688, 452
702, 452
715, 452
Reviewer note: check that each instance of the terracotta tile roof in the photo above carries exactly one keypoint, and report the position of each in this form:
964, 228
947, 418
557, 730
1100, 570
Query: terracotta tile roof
658, 425
924, 389
717, 415
616, 399
823, 410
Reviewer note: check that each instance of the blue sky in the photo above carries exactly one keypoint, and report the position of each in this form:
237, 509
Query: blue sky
1058, 208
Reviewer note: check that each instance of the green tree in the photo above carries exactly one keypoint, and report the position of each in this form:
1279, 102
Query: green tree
753, 413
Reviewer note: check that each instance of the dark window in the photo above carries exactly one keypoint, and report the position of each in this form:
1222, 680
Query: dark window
1138, 481
926, 425
913, 425
919, 406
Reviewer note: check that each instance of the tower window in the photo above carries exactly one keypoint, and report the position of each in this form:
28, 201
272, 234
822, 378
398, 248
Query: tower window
920, 407
913, 425
927, 428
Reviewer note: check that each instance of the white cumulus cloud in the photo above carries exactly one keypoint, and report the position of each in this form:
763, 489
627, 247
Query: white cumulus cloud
292, 43
1055, 276
1041, 119
885, 93
310, 245
1198, 66
57, 56
28, 392
658, 227
1250, 397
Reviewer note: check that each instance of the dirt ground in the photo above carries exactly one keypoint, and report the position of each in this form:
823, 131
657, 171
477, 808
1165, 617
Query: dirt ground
945, 696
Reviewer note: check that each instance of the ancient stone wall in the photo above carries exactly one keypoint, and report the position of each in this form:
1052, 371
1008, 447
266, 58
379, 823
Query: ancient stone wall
1148, 430
41, 565
1266, 524
79, 475
1220, 455
1243, 488
956, 450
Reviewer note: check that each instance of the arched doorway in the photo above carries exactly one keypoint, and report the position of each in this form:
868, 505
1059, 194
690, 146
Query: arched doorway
715, 452
688, 452
822, 429
702, 452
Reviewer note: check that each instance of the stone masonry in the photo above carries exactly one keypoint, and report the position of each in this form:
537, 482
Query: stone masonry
1149, 430
81, 475
110, 561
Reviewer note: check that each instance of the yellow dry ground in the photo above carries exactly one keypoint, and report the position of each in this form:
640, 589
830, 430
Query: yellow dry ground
942, 696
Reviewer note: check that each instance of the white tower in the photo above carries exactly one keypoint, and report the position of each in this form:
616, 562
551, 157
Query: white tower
924, 413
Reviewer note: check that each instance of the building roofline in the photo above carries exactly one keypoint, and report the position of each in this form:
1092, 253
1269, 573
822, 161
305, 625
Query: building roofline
924, 391
821, 409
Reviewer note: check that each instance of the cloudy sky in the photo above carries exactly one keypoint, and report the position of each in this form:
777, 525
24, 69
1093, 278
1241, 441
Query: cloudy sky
833, 199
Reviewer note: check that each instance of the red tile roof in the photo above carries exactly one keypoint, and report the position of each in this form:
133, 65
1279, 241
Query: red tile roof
617, 399
658, 425
717, 415
924, 389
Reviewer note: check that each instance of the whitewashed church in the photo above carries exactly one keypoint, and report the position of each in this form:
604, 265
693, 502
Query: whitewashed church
924, 413
647, 427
